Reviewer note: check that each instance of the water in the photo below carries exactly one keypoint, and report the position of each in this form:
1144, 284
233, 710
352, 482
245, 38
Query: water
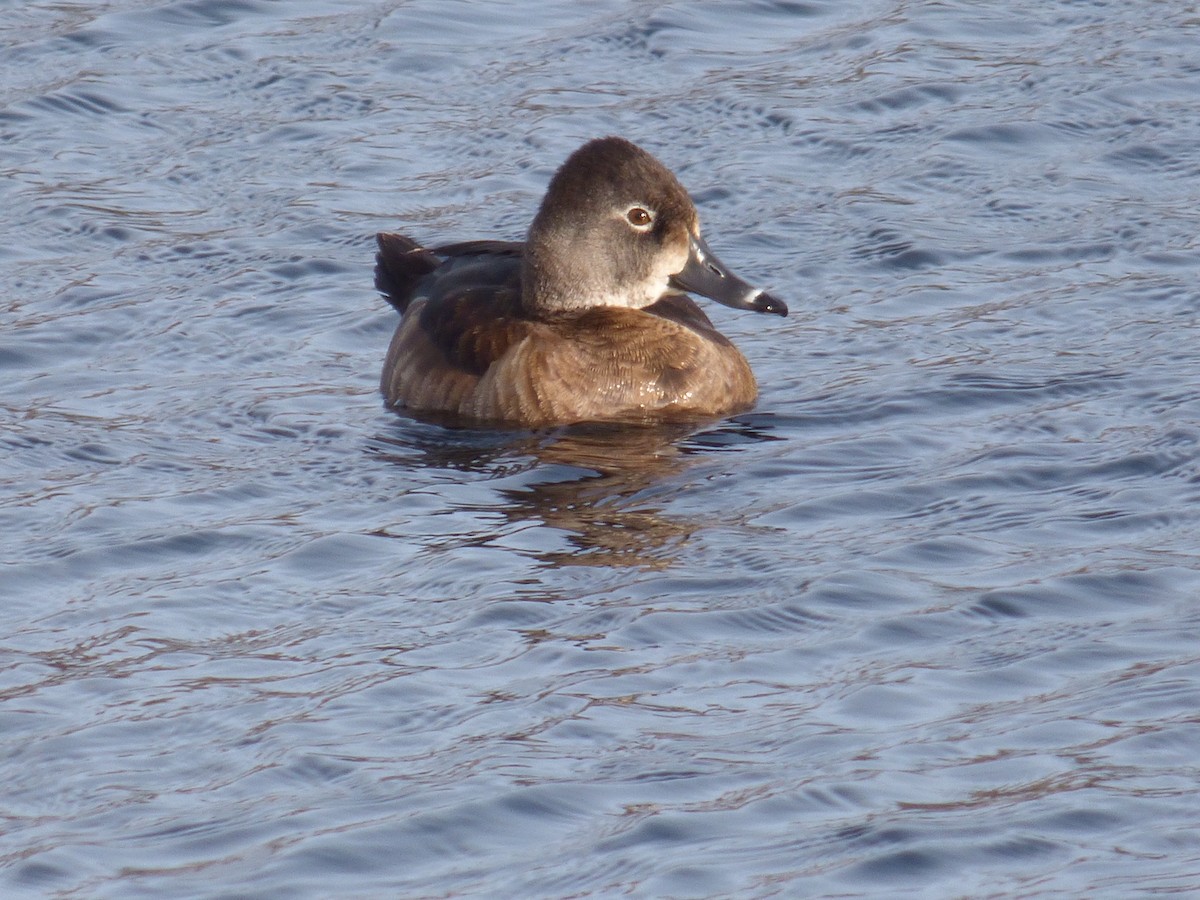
924, 622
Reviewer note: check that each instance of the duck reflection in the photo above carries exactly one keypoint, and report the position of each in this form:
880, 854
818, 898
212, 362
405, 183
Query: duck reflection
603, 487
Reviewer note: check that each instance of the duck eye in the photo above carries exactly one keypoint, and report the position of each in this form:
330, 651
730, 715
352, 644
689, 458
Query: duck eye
638, 217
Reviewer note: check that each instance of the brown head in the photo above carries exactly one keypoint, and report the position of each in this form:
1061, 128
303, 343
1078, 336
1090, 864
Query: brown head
616, 228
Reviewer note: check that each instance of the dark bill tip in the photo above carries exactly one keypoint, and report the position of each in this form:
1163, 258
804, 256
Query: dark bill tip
764, 302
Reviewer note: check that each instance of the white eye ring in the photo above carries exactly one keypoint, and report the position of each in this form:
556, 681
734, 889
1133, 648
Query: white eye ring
639, 218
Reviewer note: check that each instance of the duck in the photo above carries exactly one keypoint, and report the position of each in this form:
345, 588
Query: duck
589, 319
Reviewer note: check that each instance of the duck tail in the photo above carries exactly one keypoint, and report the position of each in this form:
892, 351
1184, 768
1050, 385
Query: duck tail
400, 265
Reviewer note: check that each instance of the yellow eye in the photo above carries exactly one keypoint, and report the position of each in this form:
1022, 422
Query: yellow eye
638, 217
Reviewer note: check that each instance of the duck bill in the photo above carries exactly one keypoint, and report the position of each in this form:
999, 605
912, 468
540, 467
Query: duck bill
706, 275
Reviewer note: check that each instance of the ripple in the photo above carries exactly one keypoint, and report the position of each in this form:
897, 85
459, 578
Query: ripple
918, 623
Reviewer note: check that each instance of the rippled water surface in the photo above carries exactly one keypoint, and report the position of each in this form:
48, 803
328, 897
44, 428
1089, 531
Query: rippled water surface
925, 621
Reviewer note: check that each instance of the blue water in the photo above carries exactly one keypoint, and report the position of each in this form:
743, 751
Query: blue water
925, 622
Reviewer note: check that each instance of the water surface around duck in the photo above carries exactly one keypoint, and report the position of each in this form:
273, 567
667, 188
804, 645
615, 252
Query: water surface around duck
924, 621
